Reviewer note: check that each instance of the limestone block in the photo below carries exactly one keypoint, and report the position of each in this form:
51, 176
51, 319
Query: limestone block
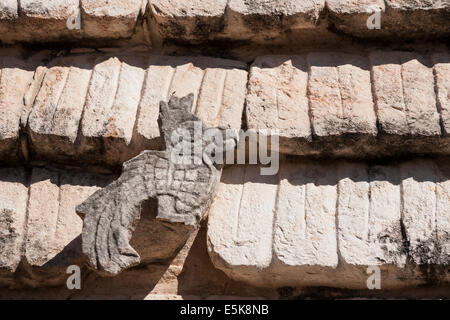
246, 20
15, 78
415, 19
277, 99
8, 10
324, 224
45, 21
8, 14
56, 113
111, 107
53, 239
419, 209
109, 19
443, 212
399, 19
441, 62
13, 208
351, 17
43, 207
192, 21
102, 109
368, 221
406, 102
341, 107
304, 228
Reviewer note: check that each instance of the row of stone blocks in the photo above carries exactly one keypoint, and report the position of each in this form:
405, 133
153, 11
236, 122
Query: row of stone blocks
194, 21
310, 225
326, 224
103, 109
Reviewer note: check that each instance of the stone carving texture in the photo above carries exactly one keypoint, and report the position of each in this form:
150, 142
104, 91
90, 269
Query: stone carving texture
67, 20
39, 228
183, 193
352, 105
323, 104
99, 109
322, 224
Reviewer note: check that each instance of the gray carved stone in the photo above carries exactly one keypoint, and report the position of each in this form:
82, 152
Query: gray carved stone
183, 193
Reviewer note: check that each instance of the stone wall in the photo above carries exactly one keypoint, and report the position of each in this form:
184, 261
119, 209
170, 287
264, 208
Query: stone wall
362, 116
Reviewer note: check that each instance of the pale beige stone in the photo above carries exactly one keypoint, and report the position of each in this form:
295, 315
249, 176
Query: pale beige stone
111, 107
53, 229
74, 189
247, 20
109, 18
277, 99
45, 21
388, 92
156, 88
119, 121
404, 94
399, 19
222, 94
187, 79
329, 222
8, 10
240, 232
441, 63
369, 215
340, 95
383, 229
56, 114
443, 213
43, 206
194, 20
419, 209
13, 209
15, 77
305, 230
419, 95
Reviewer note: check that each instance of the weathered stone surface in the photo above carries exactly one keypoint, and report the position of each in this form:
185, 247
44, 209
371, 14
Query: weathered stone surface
8, 10
187, 21
399, 19
55, 116
416, 19
341, 111
43, 207
368, 221
419, 210
323, 224
441, 62
113, 115
111, 107
443, 213
340, 95
277, 99
39, 225
15, 77
219, 88
183, 193
44, 21
246, 20
406, 102
109, 19
13, 208
321, 104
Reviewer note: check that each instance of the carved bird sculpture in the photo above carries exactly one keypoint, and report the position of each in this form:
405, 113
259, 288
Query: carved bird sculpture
183, 191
